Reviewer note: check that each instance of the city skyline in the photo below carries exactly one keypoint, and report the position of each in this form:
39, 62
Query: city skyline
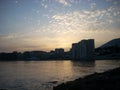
27, 25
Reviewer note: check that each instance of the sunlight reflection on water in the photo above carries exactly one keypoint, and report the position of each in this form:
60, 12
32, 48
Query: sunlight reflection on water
43, 75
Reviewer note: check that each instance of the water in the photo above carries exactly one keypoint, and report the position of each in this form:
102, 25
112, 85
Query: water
39, 75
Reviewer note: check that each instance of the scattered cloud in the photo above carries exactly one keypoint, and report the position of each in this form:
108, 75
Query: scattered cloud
64, 2
44, 5
84, 20
92, 5
16, 2
51, 27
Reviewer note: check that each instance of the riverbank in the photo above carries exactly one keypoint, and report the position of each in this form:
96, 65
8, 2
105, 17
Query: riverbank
109, 80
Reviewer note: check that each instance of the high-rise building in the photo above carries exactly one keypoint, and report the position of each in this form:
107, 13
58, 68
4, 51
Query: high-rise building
83, 49
74, 50
90, 48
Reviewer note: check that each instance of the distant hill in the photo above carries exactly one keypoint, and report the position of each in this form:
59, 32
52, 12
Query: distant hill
112, 43
109, 50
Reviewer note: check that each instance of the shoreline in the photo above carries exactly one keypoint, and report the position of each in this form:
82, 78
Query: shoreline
108, 80
98, 58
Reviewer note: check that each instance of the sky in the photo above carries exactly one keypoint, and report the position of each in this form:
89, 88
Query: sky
27, 25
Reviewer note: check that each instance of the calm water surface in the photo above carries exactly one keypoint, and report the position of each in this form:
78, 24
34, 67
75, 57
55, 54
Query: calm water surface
39, 75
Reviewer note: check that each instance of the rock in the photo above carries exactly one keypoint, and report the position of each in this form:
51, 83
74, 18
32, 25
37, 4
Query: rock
109, 80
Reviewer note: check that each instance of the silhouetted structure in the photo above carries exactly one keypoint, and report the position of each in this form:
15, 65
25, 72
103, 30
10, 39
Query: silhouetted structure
59, 51
79, 51
57, 54
83, 49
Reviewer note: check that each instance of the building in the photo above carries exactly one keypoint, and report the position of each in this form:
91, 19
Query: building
83, 49
59, 51
90, 48
74, 50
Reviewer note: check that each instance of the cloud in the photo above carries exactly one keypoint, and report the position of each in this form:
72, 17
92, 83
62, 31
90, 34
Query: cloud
92, 5
84, 20
66, 28
114, 2
23, 41
44, 5
64, 2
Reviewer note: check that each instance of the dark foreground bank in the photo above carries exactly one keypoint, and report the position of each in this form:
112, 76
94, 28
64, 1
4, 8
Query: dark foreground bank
109, 80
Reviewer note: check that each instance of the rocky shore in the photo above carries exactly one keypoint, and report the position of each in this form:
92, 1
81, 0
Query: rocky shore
109, 80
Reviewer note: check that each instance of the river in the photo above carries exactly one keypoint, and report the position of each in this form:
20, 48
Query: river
43, 75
